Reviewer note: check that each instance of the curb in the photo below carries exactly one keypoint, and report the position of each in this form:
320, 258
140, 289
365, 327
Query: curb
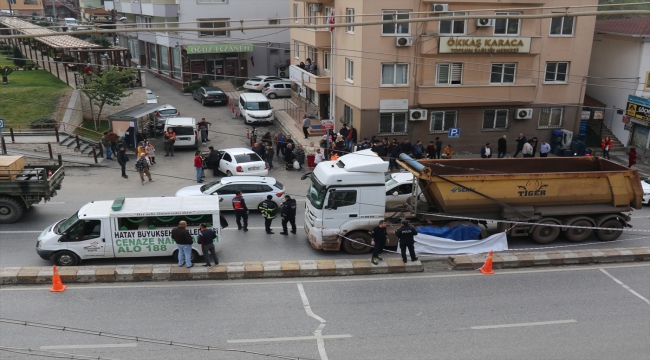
226, 271
506, 260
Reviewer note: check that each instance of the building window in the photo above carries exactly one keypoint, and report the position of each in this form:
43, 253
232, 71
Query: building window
506, 26
449, 74
349, 70
311, 53
295, 12
647, 81
347, 115
312, 96
392, 123
296, 50
287, 51
328, 13
495, 119
273, 51
147, 21
153, 58
503, 73
176, 62
213, 24
396, 29
562, 26
550, 117
26, 2
556, 72
326, 60
452, 27
164, 59
274, 22
312, 14
12, 2
138, 21
442, 121
349, 18
394, 74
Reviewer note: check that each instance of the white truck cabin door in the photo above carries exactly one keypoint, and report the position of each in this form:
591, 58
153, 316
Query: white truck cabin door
341, 206
87, 238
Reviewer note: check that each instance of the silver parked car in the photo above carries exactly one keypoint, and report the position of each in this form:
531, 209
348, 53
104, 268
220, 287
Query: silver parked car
277, 89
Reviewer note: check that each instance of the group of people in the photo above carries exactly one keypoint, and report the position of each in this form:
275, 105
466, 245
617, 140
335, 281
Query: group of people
309, 66
269, 210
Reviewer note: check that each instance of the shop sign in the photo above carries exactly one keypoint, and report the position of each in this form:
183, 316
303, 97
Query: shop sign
219, 48
393, 105
327, 124
483, 45
599, 115
586, 115
638, 111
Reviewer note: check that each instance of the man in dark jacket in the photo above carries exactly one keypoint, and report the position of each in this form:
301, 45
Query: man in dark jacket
269, 210
438, 148
300, 155
289, 156
380, 149
418, 150
378, 241
288, 214
213, 160
502, 147
405, 235
486, 151
206, 239
395, 150
122, 158
431, 150
183, 241
241, 210
407, 147
521, 140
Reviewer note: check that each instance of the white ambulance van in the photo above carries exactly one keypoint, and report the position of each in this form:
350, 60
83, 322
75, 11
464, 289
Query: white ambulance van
131, 227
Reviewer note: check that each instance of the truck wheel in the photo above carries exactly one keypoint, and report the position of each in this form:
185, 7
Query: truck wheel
351, 247
543, 234
577, 235
65, 258
610, 235
10, 210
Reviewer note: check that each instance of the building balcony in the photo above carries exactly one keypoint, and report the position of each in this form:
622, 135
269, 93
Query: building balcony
320, 84
475, 95
162, 8
316, 38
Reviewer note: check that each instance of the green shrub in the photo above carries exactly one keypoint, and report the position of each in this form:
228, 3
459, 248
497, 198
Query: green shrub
18, 57
205, 81
43, 123
191, 88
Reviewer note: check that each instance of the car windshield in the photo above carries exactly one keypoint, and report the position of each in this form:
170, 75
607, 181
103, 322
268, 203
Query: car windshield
65, 224
211, 187
184, 130
316, 194
258, 105
167, 112
390, 183
245, 158
150, 96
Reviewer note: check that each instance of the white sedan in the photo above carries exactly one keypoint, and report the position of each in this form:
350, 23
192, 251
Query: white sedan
242, 162
255, 190
151, 97
257, 83
645, 184
399, 187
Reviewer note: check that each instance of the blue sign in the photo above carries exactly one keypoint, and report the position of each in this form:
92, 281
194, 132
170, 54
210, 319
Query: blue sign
638, 100
2, 123
454, 133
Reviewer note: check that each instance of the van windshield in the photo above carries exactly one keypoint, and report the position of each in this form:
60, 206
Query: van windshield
66, 224
258, 105
183, 130
167, 112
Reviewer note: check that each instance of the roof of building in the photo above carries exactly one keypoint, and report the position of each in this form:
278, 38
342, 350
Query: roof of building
629, 26
592, 103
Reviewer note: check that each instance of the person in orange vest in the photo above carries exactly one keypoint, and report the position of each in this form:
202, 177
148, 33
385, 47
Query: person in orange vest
169, 139
606, 145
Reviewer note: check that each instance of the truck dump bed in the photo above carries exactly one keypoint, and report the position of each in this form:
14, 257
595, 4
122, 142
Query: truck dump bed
526, 183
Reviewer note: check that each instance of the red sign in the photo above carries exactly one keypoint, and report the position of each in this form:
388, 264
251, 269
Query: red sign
328, 124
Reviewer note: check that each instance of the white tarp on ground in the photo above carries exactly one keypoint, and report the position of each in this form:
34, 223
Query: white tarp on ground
427, 244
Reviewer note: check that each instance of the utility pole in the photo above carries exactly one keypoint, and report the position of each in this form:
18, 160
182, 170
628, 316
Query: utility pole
114, 21
10, 11
54, 15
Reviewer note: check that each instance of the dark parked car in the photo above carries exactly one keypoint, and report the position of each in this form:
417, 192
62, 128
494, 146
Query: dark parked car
210, 95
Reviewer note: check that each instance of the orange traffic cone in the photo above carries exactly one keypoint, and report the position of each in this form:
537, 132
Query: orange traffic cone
57, 285
487, 267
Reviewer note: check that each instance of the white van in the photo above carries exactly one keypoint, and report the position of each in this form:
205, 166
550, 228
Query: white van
255, 108
186, 129
132, 227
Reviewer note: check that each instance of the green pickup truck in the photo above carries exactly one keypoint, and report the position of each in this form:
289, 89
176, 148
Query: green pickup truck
26, 187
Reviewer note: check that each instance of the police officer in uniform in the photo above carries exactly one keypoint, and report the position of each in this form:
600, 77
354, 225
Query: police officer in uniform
269, 211
405, 235
241, 210
378, 241
288, 215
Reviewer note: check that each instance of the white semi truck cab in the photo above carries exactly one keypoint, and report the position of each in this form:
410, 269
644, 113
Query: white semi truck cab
346, 197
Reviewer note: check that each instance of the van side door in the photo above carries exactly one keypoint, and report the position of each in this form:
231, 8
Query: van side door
87, 238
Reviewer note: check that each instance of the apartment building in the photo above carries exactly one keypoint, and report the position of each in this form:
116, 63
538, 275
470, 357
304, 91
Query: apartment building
184, 57
22, 7
620, 77
486, 77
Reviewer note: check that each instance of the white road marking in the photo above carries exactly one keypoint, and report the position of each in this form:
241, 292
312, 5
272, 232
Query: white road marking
625, 286
524, 324
295, 338
318, 332
200, 283
20, 231
96, 346
305, 303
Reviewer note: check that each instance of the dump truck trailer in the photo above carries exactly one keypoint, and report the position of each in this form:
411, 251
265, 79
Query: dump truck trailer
347, 197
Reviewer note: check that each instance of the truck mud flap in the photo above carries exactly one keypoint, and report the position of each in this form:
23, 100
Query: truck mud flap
330, 243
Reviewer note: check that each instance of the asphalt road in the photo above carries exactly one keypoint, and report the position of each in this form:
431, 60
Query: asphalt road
560, 313
86, 184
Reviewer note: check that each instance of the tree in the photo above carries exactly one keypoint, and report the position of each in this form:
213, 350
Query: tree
106, 89
18, 57
101, 40
6, 71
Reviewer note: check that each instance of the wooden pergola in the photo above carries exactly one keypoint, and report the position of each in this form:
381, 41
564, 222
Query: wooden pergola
61, 47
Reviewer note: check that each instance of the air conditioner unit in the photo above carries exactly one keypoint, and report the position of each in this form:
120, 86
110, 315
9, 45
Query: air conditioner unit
404, 41
282, 71
315, 7
440, 7
523, 114
484, 22
417, 114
